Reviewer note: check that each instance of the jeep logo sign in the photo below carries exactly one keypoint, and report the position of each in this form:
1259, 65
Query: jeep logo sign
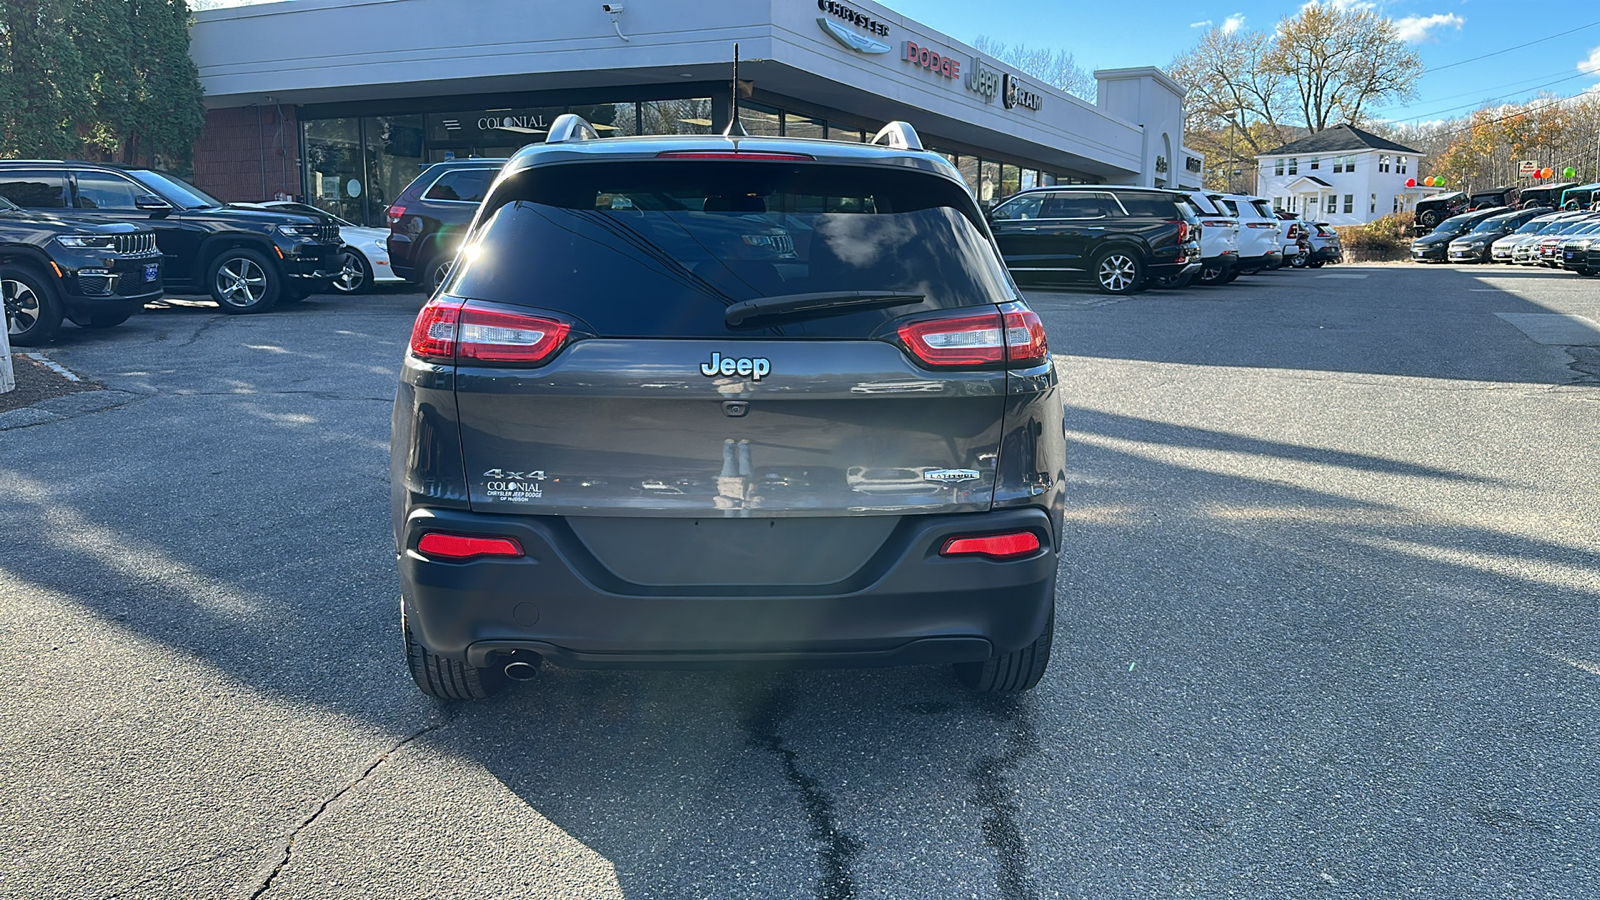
758, 367
983, 81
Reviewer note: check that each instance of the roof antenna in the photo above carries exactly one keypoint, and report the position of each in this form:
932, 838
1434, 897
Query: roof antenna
735, 127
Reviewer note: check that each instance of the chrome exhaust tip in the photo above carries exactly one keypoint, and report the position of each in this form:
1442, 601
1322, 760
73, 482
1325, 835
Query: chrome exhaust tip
522, 670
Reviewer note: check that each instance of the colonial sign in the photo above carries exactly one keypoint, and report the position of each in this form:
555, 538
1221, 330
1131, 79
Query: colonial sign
1528, 169
1017, 94
932, 60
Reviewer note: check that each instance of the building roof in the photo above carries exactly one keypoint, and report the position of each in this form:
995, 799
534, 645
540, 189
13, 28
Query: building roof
1311, 178
1340, 138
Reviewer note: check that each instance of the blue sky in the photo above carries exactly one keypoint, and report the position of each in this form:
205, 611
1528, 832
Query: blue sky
1146, 32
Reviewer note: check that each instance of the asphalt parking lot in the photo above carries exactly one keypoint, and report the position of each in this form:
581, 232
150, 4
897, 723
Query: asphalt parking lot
1326, 629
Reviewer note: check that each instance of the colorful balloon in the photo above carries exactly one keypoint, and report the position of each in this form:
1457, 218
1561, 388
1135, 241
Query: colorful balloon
1569, 172
1411, 182
1547, 173
1428, 181
1438, 181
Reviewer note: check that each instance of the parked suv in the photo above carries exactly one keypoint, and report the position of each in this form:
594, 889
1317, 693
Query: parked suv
704, 400
1258, 233
53, 268
1548, 195
248, 260
1435, 245
1494, 197
430, 217
1115, 236
1433, 210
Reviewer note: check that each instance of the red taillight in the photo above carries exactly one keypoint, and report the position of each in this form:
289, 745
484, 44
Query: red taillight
957, 340
1025, 341
433, 337
466, 546
994, 546
748, 155
394, 213
453, 330
1183, 229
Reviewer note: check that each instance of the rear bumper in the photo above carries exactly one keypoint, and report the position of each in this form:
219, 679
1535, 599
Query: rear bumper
906, 605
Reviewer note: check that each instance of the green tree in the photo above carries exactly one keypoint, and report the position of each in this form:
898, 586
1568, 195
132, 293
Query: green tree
169, 115
48, 84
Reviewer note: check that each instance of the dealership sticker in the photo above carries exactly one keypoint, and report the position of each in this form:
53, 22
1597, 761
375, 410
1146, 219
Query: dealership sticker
514, 486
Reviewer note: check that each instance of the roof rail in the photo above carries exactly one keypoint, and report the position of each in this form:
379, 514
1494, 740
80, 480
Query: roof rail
899, 135
570, 127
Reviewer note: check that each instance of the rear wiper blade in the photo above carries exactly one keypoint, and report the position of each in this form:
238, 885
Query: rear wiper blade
827, 301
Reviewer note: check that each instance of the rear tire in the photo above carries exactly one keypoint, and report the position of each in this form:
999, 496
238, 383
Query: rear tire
1428, 219
442, 677
355, 274
1214, 274
33, 310
438, 272
1014, 672
1118, 272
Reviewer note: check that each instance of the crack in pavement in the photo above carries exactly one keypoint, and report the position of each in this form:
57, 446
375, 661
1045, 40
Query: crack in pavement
1002, 816
288, 845
837, 849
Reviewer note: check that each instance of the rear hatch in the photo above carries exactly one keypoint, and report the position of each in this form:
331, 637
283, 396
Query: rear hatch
663, 345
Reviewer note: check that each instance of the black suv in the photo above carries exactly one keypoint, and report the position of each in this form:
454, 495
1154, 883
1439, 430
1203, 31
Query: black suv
1116, 236
1433, 210
248, 260
53, 268
1435, 245
707, 400
430, 217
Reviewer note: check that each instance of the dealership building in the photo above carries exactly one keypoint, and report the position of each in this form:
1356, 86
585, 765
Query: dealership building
342, 102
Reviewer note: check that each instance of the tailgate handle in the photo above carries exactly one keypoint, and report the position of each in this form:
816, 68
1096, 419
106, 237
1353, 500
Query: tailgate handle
735, 408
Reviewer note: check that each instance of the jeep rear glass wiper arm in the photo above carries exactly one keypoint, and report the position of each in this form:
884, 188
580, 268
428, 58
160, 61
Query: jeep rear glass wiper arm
825, 302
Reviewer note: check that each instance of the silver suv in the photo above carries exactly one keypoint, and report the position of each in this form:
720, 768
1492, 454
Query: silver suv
714, 400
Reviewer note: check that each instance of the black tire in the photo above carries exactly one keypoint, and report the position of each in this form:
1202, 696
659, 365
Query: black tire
1214, 274
105, 320
1585, 271
33, 308
1233, 275
444, 678
355, 273
437, 272
1429, 219
1300, 260
1014, 672
244, 281
1118, 271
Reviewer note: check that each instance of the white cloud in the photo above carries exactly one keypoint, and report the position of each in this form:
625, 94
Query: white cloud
1592, 64
1342, 5
1204, 23
1412, 29
1233, 23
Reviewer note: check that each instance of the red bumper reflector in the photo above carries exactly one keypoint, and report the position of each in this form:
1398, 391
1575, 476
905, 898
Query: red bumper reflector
996, 546
464, 546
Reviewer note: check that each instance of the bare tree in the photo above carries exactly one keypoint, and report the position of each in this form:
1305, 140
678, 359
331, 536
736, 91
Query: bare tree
1233, 106
1055, 67
1340, 62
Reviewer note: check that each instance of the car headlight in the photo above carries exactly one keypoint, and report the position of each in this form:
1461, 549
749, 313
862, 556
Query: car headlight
298, 230
88, 241
381, 244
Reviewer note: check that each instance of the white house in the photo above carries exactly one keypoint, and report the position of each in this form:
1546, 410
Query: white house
1342, 176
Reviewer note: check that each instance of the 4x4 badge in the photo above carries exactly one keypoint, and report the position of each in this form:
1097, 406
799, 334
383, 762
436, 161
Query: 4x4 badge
950, 476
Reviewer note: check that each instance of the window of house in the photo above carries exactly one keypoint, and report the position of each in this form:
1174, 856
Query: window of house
1402, 167
1277, 167
1294, 166
1349, 203
1349, 163
1383, 163
1374, 207
1315, 162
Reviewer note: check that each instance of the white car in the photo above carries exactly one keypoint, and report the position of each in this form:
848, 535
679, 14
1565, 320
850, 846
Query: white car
1219, 241
364, 258
1260, 245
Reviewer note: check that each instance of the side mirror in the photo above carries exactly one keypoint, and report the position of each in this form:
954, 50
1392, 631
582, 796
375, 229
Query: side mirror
151, 202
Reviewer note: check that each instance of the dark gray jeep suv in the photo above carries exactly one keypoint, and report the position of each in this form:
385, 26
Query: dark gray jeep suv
727, 401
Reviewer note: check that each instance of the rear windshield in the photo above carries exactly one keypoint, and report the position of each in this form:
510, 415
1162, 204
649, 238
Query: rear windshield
462, 185
663, 248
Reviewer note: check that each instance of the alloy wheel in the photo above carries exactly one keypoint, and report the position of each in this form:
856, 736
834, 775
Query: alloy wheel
351, 274
439, 273
23, 307
241, 283
1116, 272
